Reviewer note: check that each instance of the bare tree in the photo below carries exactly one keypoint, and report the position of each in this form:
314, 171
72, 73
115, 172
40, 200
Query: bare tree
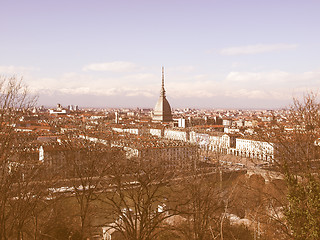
88, 164
138, 200
202, 207
27, 197
15, 100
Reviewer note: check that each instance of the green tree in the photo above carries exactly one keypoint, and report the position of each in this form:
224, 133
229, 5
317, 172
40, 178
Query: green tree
303, 210
296, 155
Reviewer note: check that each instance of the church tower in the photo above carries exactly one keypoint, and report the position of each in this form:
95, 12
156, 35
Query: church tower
162, 110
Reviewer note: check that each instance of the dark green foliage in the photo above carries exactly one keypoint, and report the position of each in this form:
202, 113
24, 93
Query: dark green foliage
303, 211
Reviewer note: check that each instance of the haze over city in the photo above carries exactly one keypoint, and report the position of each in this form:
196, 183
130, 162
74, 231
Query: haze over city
156, 120
216, 54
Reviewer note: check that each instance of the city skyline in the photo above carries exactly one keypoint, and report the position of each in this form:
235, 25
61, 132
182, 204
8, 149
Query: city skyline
216, 54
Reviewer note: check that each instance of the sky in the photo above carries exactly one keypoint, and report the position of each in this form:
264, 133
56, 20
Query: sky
216, 54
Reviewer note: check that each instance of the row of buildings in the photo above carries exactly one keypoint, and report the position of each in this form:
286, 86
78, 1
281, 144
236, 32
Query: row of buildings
210, 141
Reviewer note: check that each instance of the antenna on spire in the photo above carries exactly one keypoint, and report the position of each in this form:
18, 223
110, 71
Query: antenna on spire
163, 92
162, 76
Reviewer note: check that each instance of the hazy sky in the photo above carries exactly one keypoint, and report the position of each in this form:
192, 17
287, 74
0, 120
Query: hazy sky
219, 54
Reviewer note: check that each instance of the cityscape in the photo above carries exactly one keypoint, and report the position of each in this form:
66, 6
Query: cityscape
160, 120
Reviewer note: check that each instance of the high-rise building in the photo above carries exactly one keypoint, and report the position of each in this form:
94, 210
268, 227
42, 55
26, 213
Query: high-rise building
162, 110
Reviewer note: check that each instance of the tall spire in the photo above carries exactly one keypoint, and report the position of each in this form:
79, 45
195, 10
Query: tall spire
162, 86
162, 110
